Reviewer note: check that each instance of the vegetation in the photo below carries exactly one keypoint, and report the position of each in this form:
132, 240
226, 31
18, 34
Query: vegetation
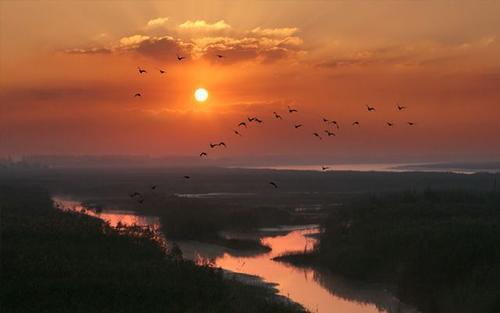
54, 261
440, 249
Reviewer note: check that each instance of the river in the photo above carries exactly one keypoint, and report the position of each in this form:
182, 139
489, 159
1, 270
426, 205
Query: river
318, 291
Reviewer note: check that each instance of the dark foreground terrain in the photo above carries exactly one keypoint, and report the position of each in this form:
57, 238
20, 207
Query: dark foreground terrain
439, 249
54, 261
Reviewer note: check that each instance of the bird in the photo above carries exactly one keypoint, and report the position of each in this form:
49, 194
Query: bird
141, 70
400, 107
203, 154
251, 119
222, 144
180, 58
370, 108
291, 110
258, 120
273, 184
187, 177
161, 71
213, 145
411, 123
153, 187
329, 133
336, 124
220, 56
141, 200
242, 124
276, 115
355, 123
236, 132
325, 120
324, 168
138, 95
390, 124
298, 125
317, 135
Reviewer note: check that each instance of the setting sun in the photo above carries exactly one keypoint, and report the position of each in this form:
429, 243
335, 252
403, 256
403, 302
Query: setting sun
201, 94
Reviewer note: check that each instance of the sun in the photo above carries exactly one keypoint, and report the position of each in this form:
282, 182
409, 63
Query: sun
201, 94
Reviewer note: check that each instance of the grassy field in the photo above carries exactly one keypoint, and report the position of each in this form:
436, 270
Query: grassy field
54, 261
440, 249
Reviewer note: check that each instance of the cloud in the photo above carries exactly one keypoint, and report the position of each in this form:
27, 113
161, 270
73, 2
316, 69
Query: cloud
133, 40
202, 25
157, 22
162, 47
275, 32
88, 51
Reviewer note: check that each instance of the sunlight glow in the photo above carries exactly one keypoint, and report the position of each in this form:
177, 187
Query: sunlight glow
201, 94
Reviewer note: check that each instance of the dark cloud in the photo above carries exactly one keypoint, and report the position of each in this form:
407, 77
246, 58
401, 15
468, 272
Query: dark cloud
163, 48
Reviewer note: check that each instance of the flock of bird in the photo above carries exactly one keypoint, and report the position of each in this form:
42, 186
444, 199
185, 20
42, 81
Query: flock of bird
140, 197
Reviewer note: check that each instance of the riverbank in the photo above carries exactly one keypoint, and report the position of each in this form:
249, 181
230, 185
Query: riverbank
440, 250
55, 261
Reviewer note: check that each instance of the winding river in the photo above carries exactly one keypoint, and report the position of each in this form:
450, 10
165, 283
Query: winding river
318, 291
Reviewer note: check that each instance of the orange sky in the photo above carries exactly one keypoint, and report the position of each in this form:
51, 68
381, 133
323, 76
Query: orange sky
68, 76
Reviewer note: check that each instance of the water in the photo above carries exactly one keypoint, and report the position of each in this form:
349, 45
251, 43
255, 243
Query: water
318, 291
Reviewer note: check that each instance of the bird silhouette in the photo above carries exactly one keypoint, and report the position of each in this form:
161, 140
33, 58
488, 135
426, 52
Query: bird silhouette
411, 123
187, 177
203, 154
297, 125
317, 135
276, 115
273, 184
138, 95
222, 144
236, 132
141, 200
242, 124
251, 119
324, 168
390, 124
180, 58
325, 120
329, 133
291, 110
369, 108
161, 71
220, 56
153, 187
355, 123
141, 70
258, 120
400, 107
213, 145
336, 124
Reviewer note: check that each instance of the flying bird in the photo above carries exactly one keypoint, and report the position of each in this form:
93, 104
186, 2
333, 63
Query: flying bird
291, 110
370, 108
141, 70
390, 124
400, 107
273, 184
141, 200
180, 58
317, 135
222, 144
324, 168
203, 154
220, 56
251, 119
138, 95
242, 124
258, 120
276, 115
161, 71
187, 177
336, 124
356, 123
237, 132
213, 145
298, 125
153, 187
411, 123
326, 120
329, 133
